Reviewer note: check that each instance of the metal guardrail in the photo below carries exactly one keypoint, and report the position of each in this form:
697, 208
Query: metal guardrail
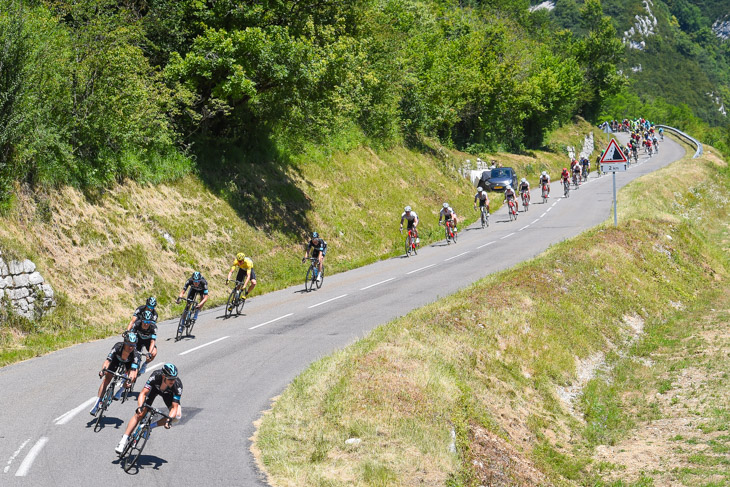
691, 139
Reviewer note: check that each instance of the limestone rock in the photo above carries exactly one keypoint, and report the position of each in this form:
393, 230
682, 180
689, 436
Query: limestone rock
28, 266
6, 282
35, 279
18, 293
3, 268
47, 290
15, 267
21, 280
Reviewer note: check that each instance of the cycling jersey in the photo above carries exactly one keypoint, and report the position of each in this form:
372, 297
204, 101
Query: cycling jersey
145, 335
317, 245
565, 175
509, 194
201, 286
115, 358
154, 388
481, 197
411, 219
544, 179
246, 264
139, 311
445, 214
524, 187
576, 169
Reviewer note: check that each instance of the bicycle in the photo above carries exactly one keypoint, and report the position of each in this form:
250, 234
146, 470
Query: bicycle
235, 300
525, 200
138, 439
130, 389
484, 216
311, 280
544, 193
575, 180
186, 319
108, 396
635, 153
566, 188
411, 243
450, 233
584, 173
511, 210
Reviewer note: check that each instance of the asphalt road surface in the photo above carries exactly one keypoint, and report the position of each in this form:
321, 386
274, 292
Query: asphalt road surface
232, 368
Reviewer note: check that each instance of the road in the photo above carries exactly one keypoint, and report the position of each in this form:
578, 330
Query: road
232, 368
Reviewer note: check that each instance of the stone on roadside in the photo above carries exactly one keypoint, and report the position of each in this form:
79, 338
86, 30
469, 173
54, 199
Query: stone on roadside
47, 290
21, 280
15, 267
28, 266
35, 279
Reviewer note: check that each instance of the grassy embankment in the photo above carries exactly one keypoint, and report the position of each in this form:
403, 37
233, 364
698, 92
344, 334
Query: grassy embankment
531, 368
105, 253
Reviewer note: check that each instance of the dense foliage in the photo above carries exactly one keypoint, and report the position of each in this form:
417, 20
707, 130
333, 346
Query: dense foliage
96, 90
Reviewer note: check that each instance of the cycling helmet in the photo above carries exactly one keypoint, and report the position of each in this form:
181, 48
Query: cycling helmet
148, 316
446, 206
130, 338
151, 302
169, 370
196, 276
524, 180
565, 169
407, 209
240, 256
480, 189
315, 235
544, 173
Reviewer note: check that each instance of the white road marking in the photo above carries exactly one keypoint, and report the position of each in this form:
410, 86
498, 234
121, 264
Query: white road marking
488, 243
549, 209
325, 302
271, 321
502, 238
377, 284
543, 214
30, 457
17, 452
422, 268
556, 202
524, 227
536, 220
203, 345
454, 257
68, 415
155, 366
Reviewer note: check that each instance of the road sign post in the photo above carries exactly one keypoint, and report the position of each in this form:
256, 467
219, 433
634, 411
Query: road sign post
613, 160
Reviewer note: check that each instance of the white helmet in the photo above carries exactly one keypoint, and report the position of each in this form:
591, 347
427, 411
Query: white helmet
480, 189
446, 205
524, 180
407, 209
509, 186
544, 173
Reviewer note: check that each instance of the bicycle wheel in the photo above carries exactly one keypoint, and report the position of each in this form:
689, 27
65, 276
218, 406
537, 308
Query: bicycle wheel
446, 234
189, 325
455, 235
135, 447
106, 400
483, 220
231, 303
181, 324
414, 247
408, 246
240, 301
309, 279
321, 278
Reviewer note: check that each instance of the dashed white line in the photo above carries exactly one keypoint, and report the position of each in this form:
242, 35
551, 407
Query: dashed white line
328, 301
548, 209
502, 238
454, 257
30, 457
155, 366
422, 268
524, 227
203, 345
543, 214
271, 321
376, 284
68, 415
488, 243
556, 202
17, 452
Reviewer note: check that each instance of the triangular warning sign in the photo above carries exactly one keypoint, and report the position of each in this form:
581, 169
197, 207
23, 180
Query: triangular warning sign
613, 154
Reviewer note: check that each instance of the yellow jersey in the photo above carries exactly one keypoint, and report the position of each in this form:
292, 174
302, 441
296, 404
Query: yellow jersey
246, 264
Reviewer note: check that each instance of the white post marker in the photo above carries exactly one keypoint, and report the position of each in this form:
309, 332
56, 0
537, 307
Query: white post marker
613, 160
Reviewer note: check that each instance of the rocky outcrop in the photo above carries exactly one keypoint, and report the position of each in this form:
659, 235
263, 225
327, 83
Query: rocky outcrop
23, 288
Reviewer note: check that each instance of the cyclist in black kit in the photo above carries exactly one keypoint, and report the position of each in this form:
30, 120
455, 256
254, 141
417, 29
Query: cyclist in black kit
146, 329
122, 353
197, 285
149, 305
164, 383
319, 249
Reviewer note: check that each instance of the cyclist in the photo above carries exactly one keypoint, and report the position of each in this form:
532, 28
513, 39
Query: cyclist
576, 174
150, 305
565, 177
586, 168
509, 194
146, 329
448, 215
410, 216
524, 188
245, 268
656, 144
483, 199
319, 248
661, 133
164, 383
122, 353
648, 146
545, 181
197, 285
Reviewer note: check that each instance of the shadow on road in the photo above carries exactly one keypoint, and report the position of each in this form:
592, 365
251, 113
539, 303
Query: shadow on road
106, 421
143, 462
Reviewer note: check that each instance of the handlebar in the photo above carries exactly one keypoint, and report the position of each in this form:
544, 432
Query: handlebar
116, 374
156, 411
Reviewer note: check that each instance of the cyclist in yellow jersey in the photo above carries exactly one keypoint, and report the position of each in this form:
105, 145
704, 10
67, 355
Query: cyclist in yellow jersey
245, 268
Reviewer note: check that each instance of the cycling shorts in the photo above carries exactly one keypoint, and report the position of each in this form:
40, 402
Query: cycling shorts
315, 252
144, 344
152, 395
241, 276
193, 292
482, 203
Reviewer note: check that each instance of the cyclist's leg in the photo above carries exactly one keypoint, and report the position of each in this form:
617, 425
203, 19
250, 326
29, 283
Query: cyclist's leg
192, 295
321, 260
252, 282
240, 276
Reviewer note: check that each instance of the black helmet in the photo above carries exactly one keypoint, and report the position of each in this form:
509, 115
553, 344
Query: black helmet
147, 316
151, 302
169, 370
196, 276
130, 338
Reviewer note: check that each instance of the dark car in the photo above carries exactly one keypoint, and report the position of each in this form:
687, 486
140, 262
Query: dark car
498, 178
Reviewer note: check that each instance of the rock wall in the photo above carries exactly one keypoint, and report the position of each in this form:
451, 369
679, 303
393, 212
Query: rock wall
24, 289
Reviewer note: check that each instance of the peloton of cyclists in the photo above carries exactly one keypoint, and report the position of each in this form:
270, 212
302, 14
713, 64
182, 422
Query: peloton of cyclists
197, 285
319, 248
545, 182
164, 383
122, 353
411, 218
245, 275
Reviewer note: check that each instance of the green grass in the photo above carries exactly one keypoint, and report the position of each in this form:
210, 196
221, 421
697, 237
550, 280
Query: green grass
492, 355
